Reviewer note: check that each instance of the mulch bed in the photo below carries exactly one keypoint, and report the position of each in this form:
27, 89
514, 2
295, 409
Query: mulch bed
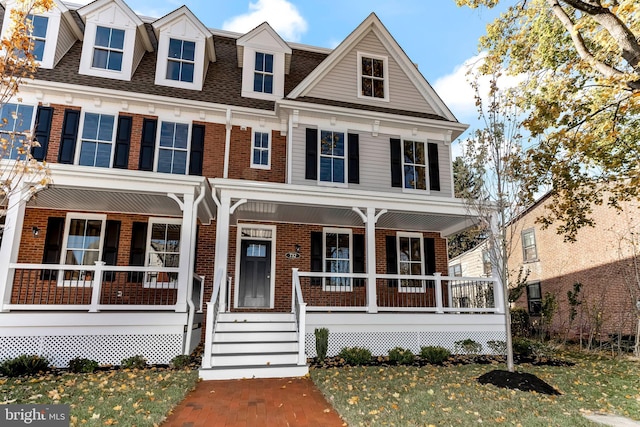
517, 381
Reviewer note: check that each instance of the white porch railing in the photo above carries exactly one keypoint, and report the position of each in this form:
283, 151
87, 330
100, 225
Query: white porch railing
92, 287
213, 311
399, 293
299, 309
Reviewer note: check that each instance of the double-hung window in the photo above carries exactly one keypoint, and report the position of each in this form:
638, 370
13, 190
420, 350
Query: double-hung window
337, 258
534, 299
83, 237
97, 140
173, 148
260, 157
372, 76
163, 250
16, 121
263, 74
529, 251
455, 270
108, 49
414, 161
38, 35
332, 157
181, 61
410, 261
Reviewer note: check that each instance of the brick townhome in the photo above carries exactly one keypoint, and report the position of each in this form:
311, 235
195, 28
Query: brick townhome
234, 189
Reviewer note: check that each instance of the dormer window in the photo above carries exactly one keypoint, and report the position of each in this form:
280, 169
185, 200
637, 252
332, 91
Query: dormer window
372, 81
181, 60
263, 75
38, 35
108, 49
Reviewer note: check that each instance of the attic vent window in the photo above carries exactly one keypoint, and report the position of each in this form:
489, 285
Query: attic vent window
372, 77
181, 60
109, 48
263, 75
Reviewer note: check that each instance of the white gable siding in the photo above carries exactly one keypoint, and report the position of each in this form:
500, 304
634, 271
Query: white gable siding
138, 52
66, 39
341, 83
470, 262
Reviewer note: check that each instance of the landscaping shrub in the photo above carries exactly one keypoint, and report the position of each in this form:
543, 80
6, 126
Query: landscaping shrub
522, 347
322, 342
434, 354
24, 364
468, 346
401, 356
355, 355
80, 365
134, 362
181, 361
497, 347
520, 326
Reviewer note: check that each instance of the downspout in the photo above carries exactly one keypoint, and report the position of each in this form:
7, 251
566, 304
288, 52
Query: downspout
227, 143
192, 265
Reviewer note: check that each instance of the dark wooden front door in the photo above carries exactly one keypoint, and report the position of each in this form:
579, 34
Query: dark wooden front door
255, 274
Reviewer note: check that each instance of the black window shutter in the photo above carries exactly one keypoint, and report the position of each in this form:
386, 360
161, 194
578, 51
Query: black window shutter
138, 249
123, 140
354, 158
147, 144
42, 132
430, 258
316, 256
359, 258
311, 158
52, 246
110, 247
197, 150
392, 260
69, 136
434, 167
396, 162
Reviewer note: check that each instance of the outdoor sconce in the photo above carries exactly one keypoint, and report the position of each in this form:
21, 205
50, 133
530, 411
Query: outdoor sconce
297, 248
35, 231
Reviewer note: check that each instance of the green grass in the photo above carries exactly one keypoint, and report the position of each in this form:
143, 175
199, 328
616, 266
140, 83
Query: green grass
120, 397
450, 395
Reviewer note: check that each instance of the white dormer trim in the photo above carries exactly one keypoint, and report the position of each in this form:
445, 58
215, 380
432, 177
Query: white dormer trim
182, 24
114, 14
263, 39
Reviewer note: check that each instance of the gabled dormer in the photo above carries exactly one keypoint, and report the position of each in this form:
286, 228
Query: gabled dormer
115, 40
265, 59
185, 49
54, 32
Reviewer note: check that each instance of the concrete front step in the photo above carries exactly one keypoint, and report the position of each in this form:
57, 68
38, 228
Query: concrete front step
221, 348
239, 372
255, 326
255, 336
254, 359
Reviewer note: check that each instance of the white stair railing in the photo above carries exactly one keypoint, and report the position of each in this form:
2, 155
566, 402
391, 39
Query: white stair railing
299, 308
213, 312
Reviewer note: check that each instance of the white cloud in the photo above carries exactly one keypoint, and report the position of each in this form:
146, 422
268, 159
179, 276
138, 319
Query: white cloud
282, 15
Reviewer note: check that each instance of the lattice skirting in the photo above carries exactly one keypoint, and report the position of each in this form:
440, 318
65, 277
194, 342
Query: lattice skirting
379, 343
106, 349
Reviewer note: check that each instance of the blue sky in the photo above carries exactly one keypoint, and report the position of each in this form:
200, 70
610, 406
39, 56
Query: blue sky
436, 34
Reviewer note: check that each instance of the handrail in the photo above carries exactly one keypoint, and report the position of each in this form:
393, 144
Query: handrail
213, 307
299, 308
192, 310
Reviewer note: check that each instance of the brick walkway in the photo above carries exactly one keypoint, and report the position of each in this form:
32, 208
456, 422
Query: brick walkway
256, 402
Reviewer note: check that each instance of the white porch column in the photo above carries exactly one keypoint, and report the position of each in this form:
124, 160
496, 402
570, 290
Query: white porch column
222, 246
186, 243
11, 237
372, 293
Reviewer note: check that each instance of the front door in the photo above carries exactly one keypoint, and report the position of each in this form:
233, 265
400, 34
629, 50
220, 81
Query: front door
255, 274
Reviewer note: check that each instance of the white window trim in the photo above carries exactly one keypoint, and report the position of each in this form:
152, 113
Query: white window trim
88, 46
53, 29
253, 147
344, 184
76, 160
325, 286
411, 289
273, 241
249, 68
427, 191
385, 60
163, 61
157, 147
28, 133
148, 284
71, 216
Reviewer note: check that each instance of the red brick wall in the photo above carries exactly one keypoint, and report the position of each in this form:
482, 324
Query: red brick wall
213, 156
241, 152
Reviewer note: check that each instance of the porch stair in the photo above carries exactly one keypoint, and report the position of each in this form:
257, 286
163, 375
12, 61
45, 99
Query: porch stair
254, 345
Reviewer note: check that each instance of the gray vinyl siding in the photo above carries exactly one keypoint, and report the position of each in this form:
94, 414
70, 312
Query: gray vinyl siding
341, 83
375, 163
66, 39
138, 52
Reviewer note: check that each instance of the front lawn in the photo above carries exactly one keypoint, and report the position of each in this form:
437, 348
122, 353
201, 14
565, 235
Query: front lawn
450, 395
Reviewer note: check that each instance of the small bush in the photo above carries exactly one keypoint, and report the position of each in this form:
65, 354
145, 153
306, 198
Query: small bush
322, 342
434, 355
520, 326
81, 365
401, 356
181, 361
522, 347
355, 355
24, 364
134, 362
468, 346
497, 347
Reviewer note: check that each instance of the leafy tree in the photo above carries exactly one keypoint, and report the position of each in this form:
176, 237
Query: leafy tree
466, 185
17, 64
580, 93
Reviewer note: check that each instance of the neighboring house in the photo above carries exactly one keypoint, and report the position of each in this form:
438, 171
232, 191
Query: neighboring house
468, 266
287, 187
